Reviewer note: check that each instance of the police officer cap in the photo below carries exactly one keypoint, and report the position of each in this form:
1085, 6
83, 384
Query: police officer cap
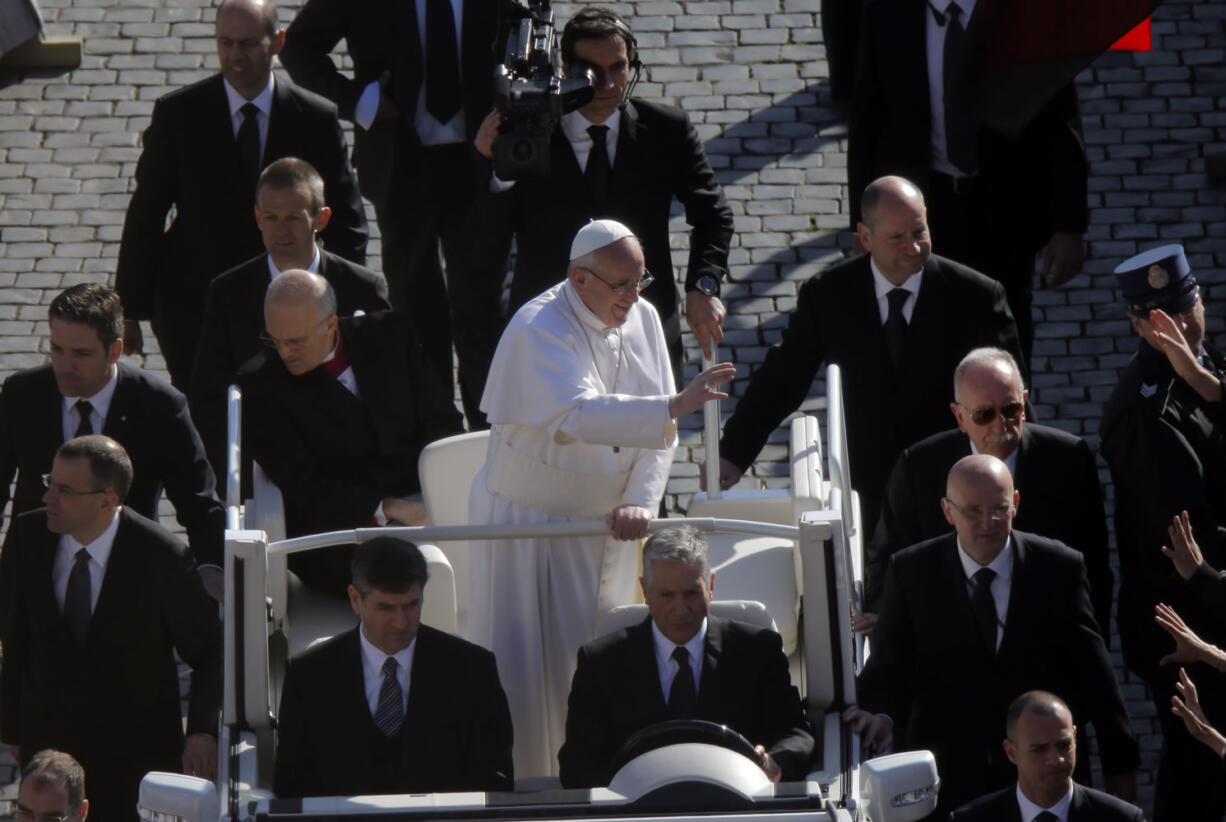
597, 234
1157, 278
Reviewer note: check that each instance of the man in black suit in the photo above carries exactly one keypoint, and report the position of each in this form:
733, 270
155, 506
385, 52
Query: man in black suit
291, 212
1053, 471
1040, 739
970, 620
651, 154
337, 412
681, 664
897, 320
102, 600
1163, 435
996, 196
422, 78
85, 390
346, 724
203, 151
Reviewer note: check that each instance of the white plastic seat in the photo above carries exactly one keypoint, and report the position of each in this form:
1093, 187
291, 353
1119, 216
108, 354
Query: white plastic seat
623, 616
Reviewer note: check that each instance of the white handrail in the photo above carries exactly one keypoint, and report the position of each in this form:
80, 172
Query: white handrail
710, 432
234, 460
836, 423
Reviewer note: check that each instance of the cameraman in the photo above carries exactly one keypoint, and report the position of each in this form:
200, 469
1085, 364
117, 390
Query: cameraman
648, 153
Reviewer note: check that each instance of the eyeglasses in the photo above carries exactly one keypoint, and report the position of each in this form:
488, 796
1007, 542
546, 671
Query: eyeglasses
28, 815
293, 343
624, 288
977, 511
1010, 412
63, 490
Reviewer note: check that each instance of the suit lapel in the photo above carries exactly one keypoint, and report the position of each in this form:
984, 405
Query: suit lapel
123, 578
1077, 809
1019, 465
46, 414
708, 683
121, 414
367, 361
44, 610
864, 299
278, 130
628, 163
952, 580
217, 133
642, 675
1018, 590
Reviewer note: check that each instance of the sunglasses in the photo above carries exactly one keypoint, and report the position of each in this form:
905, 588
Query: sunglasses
1010, 412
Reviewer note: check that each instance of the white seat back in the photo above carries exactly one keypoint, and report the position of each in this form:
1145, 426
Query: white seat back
624, 616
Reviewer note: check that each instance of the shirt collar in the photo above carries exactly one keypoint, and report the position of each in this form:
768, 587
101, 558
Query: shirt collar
1030, 810
101, 400
584, 313
373, 658
1010, 460
263, 100
882, 286
276, 272
100, 549
665, 646
1002, 565
575, 126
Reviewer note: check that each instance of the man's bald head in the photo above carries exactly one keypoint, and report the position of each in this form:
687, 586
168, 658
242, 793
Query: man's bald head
889, 191
980, 503
300, 319
297, 286
265, 11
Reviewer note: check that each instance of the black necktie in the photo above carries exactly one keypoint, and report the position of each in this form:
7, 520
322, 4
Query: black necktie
442, 61
597, 171
896, 324
1045, 816
389, 712
249, 147
959, 130
77, 596
682, 695
984, 606
84, 427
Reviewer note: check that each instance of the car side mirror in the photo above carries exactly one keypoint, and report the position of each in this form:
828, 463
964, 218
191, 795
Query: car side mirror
900, 787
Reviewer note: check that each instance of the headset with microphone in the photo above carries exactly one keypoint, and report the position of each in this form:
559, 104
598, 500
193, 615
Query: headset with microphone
576, 29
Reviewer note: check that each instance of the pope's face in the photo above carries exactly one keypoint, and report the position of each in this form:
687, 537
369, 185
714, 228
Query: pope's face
620, 267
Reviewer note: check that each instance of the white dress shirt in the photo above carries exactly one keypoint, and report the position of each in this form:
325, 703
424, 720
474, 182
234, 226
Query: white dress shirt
574, 128
935, 35
1030, 810
882, 287
372, 670
1003, 566
262, 101
274, 272
99, 554
667, 667
101, 402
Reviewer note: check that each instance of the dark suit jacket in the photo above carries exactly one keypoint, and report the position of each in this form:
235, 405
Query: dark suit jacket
1060, 499
931, 672
456, 734
837, 321
148, 418
659, 157
1088, 805
233, 322
335, 456
382, 35
1035, 181
114, 703
190, 161
744, 685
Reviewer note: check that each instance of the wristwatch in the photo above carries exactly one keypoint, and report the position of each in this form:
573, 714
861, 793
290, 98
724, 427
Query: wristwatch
707, 285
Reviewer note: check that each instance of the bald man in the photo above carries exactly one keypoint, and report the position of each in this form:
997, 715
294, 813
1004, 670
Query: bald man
336, 411
897, 321
972, 619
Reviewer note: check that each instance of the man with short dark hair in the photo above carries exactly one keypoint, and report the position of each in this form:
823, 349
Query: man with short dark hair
1041, 740
291, 211
203, 152
98, 593
1053, 471
86, 390
680, 663
392, 706
52, 786
337, 410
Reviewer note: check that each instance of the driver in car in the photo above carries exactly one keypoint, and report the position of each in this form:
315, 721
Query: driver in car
680, 663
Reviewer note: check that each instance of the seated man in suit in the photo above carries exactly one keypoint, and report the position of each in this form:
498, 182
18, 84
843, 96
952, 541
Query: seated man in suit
102, 601
392, 706
897, 321
337, 412
86, 390
1041, 740
681, 664
52, 787
291, 212
972, 619
1053, 471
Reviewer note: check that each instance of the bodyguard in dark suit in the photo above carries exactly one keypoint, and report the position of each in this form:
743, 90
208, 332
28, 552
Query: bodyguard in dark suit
1041, 741
970, 620
1053, 471
652, 155
291, 212
897, 320
392, 706
421, 82
338, 413
41, 407
1163, 434
203, 151
103, 598
681, 664
995, 196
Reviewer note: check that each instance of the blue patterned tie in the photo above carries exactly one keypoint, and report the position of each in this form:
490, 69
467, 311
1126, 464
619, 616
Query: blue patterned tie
389, 713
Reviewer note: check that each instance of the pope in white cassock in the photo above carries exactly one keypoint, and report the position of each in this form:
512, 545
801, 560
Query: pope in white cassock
583, 411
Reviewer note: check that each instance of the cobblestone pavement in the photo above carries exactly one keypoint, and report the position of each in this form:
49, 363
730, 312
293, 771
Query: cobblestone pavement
752, 75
